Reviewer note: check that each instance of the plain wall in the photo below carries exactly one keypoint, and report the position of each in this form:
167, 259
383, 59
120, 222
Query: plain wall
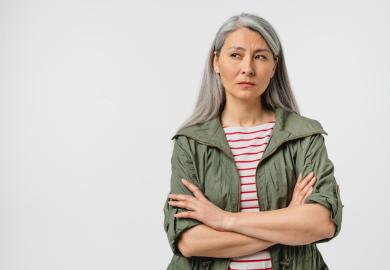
92, 91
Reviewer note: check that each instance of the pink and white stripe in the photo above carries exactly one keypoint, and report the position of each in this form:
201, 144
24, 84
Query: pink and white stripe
247, 145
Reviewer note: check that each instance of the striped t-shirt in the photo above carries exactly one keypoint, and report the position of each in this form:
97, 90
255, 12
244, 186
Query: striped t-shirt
247, 145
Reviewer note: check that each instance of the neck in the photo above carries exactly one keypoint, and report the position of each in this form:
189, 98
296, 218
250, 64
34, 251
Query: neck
245, 113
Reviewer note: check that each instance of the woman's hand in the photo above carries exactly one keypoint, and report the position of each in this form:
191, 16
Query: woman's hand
209, 214
200, 208
302, 189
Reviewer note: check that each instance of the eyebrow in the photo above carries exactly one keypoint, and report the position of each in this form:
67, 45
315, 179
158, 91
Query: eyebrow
243, 49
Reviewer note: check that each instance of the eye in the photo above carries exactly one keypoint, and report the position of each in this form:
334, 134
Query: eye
261, 56
234, 55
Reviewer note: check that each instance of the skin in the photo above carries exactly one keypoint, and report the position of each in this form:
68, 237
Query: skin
243, 106
203, 240
297, 225
224, 234
205, 211
225, 244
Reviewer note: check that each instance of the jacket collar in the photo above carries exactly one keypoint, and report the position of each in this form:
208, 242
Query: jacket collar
288, 126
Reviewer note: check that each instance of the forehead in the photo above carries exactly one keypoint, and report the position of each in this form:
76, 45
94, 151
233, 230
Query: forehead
246, 39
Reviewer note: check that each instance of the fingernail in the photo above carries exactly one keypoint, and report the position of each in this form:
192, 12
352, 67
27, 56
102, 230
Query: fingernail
183, 180
311, 174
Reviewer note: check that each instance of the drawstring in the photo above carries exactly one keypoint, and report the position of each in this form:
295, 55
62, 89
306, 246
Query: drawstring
201, 263
285, 263
206, 264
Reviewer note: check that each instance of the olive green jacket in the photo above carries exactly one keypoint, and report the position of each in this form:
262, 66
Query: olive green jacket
202, 155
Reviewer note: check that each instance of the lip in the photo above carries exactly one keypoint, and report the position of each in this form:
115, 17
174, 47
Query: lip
246, 83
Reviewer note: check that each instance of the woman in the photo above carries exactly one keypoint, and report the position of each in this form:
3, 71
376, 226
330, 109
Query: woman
252, 186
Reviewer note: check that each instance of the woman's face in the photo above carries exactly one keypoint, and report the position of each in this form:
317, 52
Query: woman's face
245, 56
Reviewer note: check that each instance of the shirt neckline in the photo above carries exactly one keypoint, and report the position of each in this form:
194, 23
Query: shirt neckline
250, 127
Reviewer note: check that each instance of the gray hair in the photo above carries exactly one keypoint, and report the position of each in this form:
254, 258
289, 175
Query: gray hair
211, 99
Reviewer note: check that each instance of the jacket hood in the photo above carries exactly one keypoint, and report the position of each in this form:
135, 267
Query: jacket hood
288, 126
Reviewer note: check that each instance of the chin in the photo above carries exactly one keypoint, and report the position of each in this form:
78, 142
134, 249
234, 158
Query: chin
244, 94
247, 96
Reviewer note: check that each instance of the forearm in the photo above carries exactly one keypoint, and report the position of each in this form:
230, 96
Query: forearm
299, 225
202, 240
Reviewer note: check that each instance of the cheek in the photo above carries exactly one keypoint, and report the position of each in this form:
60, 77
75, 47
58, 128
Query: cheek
228, 79
264, 76
265, 71
229, 72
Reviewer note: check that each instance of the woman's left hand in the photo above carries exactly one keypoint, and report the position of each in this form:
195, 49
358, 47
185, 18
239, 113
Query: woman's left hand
200, 208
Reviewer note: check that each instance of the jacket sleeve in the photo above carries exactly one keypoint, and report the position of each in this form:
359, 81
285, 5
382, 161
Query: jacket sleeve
181, 167
326, 190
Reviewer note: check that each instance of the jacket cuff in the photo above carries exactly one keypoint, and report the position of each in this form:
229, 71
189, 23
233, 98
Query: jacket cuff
174, 226
334, 205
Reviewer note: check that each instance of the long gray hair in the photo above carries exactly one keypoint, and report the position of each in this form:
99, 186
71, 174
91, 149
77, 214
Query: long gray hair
211, 99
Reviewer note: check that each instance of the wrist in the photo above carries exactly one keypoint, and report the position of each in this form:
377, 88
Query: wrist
228, 222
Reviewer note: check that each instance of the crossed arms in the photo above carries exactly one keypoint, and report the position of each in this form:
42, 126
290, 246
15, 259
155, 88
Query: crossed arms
243, 233
206, 230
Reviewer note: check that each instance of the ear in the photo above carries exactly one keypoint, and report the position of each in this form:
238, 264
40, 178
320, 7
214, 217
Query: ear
215, 62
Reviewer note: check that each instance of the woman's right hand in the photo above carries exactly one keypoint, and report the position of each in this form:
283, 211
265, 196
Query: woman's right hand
302, 189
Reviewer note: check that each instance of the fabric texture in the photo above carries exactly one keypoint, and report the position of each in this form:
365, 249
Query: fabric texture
247, 145
202, 154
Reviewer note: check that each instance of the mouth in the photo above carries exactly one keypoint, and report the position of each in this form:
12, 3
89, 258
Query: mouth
246, 84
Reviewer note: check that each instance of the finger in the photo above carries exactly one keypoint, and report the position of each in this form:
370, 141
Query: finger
299, 185
182, 204
295, 192
306, 190
194, 189
308, 177
308, 193
298, 180
309, 184
305, 180
180, 197
186, 214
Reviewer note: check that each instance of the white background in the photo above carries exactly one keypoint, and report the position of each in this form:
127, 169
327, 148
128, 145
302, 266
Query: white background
92, 91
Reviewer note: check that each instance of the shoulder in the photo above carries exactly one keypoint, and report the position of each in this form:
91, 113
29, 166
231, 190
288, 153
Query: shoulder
181, 143
298, 124
187, 147
199, 131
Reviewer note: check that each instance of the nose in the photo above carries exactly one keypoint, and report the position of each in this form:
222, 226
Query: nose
247, 67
